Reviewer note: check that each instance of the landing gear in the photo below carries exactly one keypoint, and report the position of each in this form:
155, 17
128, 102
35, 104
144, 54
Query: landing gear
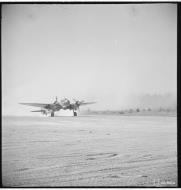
75, 113
52, 114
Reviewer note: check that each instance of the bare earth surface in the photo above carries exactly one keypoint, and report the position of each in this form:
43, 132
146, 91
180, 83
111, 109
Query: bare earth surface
89, 151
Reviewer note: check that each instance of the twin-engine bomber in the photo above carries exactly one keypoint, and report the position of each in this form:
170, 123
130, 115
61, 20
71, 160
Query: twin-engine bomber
64, 104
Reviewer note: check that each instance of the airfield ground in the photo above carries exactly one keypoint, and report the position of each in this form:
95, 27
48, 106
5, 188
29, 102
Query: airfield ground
89, 151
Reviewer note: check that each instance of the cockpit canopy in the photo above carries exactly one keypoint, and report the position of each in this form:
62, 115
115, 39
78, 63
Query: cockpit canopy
65, 101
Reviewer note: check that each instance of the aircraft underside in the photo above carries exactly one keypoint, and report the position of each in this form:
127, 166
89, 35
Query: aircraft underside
53, 113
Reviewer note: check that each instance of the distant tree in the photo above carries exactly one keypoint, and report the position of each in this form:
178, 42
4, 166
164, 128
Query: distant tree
121, 112
149, 109
161, 109
168, 110
130, 111
138, 110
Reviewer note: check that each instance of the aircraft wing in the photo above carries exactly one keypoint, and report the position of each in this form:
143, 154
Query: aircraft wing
36, 104
86, 103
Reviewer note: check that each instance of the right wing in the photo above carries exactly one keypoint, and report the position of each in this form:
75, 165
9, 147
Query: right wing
36, 105
86, 103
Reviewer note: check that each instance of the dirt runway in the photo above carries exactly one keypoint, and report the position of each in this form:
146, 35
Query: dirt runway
89, 151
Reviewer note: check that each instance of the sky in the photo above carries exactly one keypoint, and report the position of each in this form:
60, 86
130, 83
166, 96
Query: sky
94, 52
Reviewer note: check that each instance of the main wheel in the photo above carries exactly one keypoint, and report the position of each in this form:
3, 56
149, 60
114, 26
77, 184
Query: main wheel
52, 114
75, 113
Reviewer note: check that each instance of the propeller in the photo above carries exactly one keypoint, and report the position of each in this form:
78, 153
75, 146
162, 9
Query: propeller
56, 100
77, 103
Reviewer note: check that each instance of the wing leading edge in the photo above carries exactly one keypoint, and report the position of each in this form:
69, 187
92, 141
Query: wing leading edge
36, 104
86, 103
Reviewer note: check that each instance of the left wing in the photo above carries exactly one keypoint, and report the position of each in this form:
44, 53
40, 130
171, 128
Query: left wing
36, 105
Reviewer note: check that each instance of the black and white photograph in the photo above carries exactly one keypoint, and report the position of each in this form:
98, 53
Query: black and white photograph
89, 94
